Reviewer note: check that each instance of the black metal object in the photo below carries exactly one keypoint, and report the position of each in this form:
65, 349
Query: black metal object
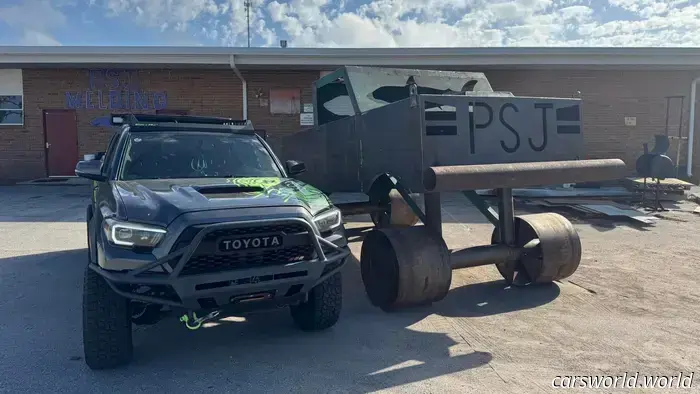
442, 132
655, 164
372, 132
188, 288
163, 122
433, 212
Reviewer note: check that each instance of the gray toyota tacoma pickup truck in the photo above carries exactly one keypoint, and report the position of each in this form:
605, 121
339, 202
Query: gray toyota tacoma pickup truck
197, 215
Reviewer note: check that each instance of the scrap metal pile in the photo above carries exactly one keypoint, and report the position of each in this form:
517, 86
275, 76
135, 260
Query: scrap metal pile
389, 135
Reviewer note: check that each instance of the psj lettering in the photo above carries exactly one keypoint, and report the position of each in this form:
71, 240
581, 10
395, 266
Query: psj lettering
567, 119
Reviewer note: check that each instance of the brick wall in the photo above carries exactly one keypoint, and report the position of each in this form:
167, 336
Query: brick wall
277, 126
22, 148
609, 96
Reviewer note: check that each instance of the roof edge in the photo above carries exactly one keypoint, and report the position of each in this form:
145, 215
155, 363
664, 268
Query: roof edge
208, 56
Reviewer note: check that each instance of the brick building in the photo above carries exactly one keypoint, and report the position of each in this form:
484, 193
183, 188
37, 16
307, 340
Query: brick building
55, 102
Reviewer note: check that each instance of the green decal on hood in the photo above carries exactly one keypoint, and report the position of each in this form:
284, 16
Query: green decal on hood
314, 199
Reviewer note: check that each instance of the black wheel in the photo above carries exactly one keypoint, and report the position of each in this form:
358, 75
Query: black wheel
322, 309
145, 314
106, 324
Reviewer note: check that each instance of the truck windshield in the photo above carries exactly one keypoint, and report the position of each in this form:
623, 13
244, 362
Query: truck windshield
170, 155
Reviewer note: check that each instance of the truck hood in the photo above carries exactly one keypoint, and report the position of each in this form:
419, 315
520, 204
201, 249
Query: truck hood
160, 201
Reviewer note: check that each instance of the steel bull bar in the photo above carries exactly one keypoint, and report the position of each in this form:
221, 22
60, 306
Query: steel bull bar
412, 265
184, 289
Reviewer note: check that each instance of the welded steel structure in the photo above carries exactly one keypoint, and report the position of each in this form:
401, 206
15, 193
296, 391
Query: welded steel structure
370, 121
396, 133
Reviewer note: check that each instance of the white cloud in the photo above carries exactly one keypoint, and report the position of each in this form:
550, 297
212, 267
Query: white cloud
35, 20
390, 23
414, 23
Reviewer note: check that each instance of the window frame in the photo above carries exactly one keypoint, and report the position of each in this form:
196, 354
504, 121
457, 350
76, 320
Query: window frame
298, 98
20, 94
21, 110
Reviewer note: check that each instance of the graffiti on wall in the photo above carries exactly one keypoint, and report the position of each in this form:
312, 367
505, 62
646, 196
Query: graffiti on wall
111, 89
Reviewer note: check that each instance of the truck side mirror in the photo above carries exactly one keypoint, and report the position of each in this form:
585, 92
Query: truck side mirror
90, 169
295, 167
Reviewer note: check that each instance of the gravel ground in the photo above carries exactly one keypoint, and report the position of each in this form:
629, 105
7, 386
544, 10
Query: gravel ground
632, 306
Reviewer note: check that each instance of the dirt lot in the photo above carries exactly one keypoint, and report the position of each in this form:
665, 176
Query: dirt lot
632, 306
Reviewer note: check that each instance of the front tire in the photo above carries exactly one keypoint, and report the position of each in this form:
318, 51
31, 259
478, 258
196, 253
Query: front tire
106, 324
322, 309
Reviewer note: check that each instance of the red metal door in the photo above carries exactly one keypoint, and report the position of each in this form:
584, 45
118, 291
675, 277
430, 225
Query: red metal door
61, 133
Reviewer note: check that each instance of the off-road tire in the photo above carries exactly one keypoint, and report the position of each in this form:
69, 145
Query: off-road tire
322, 309
106, 324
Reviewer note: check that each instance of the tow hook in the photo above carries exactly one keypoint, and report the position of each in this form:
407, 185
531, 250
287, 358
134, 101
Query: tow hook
194, 322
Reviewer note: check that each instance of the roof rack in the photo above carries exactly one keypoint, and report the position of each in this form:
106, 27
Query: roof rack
163, 120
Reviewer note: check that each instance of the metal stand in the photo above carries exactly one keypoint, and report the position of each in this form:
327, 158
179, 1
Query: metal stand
408, 266
656, 205
506, 228
506, 216
433, 212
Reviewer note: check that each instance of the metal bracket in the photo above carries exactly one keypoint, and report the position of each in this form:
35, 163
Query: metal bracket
480, 203
383, 184
407, 197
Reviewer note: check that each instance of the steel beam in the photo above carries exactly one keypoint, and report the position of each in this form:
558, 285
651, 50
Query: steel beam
483, 255
433, 212
511, 175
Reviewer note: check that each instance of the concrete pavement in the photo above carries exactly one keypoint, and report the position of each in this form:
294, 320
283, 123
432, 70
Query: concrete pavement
632, 306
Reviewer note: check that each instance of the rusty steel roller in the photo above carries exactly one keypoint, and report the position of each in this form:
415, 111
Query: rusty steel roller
556, 256
404, 267
511, 175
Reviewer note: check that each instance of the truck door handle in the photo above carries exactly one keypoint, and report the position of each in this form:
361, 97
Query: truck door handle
48, 145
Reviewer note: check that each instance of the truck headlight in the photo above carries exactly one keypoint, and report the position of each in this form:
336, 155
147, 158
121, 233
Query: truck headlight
328, 220
132, 234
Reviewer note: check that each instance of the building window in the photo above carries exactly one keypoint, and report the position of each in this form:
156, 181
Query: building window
11, 97
285, 101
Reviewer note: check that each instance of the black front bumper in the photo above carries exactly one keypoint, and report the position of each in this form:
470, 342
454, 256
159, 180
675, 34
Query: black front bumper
246, 288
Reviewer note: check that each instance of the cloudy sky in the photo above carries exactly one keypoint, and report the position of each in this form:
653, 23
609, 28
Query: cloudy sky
352, 23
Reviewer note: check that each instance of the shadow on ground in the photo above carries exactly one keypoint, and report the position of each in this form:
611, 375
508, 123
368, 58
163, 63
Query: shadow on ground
27, 203
367, 350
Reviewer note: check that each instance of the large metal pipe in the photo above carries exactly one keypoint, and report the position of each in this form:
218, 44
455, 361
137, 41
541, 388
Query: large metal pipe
483, 255
511, 175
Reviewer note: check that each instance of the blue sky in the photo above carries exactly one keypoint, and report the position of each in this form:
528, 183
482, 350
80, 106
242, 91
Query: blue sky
352, 23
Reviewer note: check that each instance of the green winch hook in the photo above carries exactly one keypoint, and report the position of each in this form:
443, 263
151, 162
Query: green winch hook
186, 319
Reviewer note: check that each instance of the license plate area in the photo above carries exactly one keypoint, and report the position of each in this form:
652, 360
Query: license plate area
249, 243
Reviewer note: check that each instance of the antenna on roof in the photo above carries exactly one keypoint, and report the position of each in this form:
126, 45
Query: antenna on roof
247, 4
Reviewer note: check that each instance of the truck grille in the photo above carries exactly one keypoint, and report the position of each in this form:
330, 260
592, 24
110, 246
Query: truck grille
207, 263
